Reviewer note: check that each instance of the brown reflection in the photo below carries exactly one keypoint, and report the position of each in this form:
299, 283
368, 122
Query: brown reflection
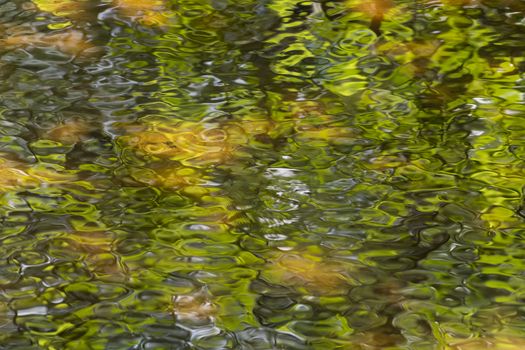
69, 132
195, 307
71, 42
12, 178
381, 338
96, 248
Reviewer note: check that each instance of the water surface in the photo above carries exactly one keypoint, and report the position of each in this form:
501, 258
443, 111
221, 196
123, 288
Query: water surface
262, 174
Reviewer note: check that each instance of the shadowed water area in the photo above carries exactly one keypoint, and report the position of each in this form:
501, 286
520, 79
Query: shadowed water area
262, 174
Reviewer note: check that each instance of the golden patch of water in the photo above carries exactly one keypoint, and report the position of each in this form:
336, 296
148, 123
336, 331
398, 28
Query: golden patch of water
309, 273
190, 143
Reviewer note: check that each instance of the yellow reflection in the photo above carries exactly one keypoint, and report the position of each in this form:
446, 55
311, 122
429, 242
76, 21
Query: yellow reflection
179, 177
188, 142
15, 175
254, 126
500, 218
415, 56
50, 174
496, 342
92, 242
459, 2
307, 110
409, 51
12, 178
62, 8
308, 272
376, 10
170, 176
384, 162
312, 123
329, 134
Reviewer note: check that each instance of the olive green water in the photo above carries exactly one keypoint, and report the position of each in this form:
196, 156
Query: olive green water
252, 174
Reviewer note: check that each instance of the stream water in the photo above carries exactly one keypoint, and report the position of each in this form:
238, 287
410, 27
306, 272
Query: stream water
262, 174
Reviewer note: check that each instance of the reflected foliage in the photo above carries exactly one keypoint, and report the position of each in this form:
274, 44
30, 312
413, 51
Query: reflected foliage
262, 174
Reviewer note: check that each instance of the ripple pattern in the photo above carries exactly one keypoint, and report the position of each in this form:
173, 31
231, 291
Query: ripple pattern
261, 175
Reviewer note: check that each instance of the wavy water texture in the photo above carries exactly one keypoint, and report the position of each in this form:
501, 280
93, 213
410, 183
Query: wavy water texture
262, 174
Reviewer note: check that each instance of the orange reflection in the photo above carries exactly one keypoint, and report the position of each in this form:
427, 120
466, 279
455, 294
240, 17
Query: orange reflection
148, 12
375, 8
